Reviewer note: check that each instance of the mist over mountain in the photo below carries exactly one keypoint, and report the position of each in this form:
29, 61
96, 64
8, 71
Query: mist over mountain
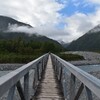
5, 22
12, 29
65, 45
90, 41
94, 30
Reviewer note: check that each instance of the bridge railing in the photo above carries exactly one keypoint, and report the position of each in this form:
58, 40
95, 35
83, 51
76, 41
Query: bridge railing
88, 82
13, 79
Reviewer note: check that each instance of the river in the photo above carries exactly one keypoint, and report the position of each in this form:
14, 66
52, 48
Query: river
90, 68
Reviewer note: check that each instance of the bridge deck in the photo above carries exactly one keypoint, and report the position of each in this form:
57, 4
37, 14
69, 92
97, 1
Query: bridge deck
49, 88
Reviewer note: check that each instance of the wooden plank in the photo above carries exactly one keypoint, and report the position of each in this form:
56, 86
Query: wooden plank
49, 88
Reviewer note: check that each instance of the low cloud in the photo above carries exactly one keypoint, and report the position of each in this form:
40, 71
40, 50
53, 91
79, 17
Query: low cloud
44, 16
75, 26
46, 30
17, 28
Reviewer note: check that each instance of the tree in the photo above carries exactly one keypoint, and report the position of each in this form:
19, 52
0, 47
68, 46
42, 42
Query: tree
48, 47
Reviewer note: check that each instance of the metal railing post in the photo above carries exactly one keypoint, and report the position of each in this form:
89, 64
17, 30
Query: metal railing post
26, 86
79, 92
64, 84
42, 64
39, 71
60, 74
20, 90
72, 87
89, 94
11, 93
35, 79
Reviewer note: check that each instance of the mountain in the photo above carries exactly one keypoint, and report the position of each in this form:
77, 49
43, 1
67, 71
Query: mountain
65, 45
33, 37
94, 30
6, 35
88, 42
6, 21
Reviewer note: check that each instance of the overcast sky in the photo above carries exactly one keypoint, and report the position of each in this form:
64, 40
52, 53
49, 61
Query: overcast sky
64, 20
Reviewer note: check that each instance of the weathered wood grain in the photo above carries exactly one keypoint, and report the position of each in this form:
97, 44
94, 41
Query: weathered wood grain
49, 88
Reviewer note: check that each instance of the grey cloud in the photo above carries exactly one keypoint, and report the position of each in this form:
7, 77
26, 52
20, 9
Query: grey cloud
79, 23
43, 16
16, 28
34, 12
49, 31
39, 13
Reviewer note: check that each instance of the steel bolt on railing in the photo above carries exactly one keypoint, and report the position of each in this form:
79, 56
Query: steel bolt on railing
12, 79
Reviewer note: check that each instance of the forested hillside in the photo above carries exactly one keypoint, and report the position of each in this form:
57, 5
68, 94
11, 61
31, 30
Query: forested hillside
88, 42
22, 47
21, 51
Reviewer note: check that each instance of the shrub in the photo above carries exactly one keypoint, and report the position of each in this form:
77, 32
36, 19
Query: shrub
70, 57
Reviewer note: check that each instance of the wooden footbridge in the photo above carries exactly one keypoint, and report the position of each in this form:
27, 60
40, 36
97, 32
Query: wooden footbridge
50, 81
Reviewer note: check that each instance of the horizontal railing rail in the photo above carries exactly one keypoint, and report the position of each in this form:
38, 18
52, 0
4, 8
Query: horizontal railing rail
89, 82
12, 79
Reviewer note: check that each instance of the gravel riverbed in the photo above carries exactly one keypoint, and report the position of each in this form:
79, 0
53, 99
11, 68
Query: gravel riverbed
7, 66
90, 58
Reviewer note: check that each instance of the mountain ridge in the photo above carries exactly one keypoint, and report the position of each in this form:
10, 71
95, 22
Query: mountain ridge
88, 42
94, 30
6, 21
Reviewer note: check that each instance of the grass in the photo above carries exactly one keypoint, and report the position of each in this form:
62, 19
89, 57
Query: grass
17, 58
71, 57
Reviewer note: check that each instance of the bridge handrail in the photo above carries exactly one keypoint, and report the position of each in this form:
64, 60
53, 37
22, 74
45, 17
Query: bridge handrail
9, 80
91, 82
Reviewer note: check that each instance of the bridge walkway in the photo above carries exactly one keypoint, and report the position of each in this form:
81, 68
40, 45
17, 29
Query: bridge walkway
49, 88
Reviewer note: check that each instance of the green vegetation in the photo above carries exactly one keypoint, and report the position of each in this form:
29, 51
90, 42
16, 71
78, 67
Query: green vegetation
22, 51
16, 58
70, 57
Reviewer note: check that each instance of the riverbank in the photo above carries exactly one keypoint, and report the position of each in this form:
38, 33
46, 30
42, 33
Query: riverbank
8, 66
90, 58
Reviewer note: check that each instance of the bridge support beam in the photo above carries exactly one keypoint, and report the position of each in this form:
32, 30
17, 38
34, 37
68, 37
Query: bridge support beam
72, 87
79, 92
26, 86
20, 90
11, 93
89, 94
